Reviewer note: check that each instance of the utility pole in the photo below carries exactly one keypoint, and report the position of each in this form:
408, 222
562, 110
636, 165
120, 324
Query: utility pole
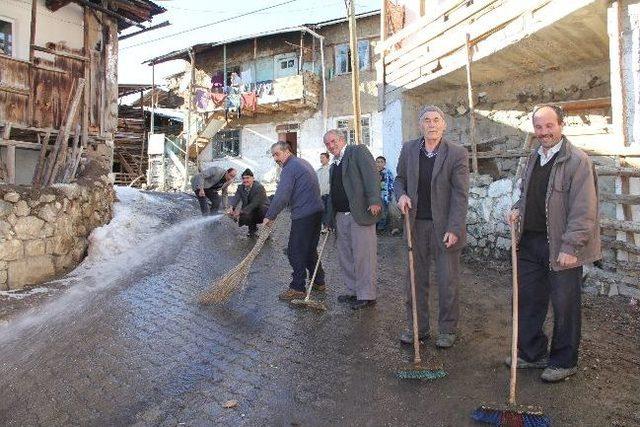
355, 71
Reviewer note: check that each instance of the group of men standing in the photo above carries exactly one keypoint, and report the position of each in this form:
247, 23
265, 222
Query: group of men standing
556, 217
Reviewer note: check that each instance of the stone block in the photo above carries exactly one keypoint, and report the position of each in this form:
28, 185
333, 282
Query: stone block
21, 208
3, 279
5, 208
11, 250
47, 198
6, 231
28, 227
33, 203
478, 191
34, 247
47, 231
12, 218
63, 263
500, 187
48, 213
30, 271
59, 245
504, 244
12, 197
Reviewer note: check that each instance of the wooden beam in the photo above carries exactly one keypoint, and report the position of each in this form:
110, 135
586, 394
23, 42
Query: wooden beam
472, 111
618, 225
622, 199
32, 40
610, 243
618, 171
111, 13
584, 104
355, 72
10, 156
86, 49
20, 144
59, 53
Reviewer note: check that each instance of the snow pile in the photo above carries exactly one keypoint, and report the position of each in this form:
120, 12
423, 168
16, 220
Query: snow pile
132, 222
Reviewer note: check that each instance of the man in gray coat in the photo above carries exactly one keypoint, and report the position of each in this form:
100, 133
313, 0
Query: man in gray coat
559, 232
432, 187
206, 185
355, 207
250, 203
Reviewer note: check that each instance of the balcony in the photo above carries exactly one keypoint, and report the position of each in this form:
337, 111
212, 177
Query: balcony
506, 38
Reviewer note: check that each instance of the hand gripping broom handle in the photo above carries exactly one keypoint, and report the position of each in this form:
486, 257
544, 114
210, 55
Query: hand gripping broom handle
315, 270
514, 319
412, 279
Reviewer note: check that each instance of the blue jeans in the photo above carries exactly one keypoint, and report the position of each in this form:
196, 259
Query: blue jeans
383, 223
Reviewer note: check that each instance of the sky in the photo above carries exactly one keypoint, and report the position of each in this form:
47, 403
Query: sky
186, 14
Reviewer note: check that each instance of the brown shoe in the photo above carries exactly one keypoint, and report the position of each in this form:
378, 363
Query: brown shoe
319, 288
290, 294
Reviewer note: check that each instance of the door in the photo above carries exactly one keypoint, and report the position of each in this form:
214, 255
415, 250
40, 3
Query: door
292, 139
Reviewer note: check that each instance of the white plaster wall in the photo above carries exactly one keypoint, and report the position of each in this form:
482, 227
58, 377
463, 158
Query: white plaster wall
392, 133
310, 143
65, 24
631, 68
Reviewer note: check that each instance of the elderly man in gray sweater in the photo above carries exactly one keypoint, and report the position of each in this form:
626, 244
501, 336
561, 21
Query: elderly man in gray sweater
206, 185
298, 188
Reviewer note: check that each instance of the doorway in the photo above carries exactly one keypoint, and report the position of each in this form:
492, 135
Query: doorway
292, 139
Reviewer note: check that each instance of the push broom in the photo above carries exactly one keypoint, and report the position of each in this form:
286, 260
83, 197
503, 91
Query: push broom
307, 302
222, 289
417, 371
512, 415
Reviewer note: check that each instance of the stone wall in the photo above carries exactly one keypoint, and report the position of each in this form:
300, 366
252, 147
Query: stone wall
43, 232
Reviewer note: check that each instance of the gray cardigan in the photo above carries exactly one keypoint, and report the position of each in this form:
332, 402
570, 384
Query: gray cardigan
361, 184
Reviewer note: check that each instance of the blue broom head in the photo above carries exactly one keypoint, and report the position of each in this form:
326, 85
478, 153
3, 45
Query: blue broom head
510, 417
421, 374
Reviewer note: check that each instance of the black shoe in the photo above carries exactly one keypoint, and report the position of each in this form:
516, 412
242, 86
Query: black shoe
348, 299
252, 235
363, 303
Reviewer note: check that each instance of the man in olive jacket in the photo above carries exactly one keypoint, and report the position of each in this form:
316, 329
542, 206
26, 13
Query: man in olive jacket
432, 187
558, 232
354, 208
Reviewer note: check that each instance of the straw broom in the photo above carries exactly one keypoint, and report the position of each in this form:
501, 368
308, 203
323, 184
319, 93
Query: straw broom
222, 289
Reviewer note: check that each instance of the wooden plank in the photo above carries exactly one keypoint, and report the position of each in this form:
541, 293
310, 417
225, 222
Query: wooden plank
59, 53
472, 111
20, 144
622, 199
584, 104
618, 171
620, 225
10, 156
37, 173
610, 243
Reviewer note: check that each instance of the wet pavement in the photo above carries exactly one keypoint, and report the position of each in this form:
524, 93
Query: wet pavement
125, 342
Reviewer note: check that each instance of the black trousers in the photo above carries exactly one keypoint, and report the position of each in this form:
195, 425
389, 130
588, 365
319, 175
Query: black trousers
303, 250
253, 218
210, 195
538, 285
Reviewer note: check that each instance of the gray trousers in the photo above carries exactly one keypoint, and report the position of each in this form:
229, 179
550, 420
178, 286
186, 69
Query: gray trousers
358, 253
425, 245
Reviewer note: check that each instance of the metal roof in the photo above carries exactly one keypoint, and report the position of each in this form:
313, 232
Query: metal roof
184, 53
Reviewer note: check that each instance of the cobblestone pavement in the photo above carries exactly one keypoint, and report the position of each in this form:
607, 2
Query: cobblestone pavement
134, 347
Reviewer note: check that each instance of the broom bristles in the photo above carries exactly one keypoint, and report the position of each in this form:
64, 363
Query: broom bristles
421, 374
222, 288
510, 417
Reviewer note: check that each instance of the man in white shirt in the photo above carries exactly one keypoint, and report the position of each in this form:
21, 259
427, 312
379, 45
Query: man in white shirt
323, 179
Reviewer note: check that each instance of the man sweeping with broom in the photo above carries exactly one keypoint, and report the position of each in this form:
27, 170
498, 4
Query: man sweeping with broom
299, 189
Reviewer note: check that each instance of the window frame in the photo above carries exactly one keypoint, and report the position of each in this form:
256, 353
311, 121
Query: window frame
344, 49
366, 130
12, 22
220, 139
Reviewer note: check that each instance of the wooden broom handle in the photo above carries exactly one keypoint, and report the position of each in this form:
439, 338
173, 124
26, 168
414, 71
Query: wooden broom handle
315, 270
514, 316
412, 279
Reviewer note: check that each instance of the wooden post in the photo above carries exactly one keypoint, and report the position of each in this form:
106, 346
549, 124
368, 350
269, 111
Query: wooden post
301, 49
619, 111
37, 174
87, 79
11, 155
144, 131
153, 99
381, 66
224, 66
189, 108
355, 73
255, 62
472, 111
325, 106
32, 41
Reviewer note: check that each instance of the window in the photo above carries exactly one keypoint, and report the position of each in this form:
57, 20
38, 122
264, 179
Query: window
343, 57
6, 37
226, 143
346, 125
285, 65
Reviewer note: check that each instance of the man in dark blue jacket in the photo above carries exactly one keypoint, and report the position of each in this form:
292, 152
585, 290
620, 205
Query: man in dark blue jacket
299, 189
